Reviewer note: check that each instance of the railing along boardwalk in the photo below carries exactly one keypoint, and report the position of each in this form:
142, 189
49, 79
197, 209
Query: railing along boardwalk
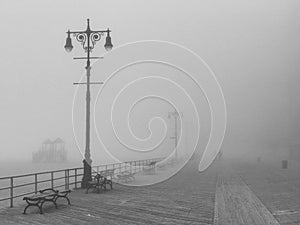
186, 198
15, 187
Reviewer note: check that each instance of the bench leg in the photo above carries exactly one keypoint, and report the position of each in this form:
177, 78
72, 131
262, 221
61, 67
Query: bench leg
110, 184
41, 209
54, 202
69, 203
67, 200
26, 209
37, 204
49, 201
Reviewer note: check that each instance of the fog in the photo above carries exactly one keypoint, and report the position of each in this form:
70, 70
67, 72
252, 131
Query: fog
252, 46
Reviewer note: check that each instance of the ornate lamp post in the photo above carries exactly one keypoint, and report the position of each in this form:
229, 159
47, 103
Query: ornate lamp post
88, 39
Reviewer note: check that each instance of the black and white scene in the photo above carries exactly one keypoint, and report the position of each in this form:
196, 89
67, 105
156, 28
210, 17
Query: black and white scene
150, 112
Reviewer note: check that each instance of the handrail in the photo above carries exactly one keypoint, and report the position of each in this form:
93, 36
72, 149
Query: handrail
39, 173
68, 179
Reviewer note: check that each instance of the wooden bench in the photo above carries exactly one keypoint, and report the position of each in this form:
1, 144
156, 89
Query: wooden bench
125, 176
149, 168
46, 195
108, 175
97, 182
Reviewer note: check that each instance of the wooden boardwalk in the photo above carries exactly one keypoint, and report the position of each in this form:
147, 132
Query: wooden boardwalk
277, 188
225, 194
237, 205
187, 198
257, 193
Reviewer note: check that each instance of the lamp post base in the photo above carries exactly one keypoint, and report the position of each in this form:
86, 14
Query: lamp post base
87, 174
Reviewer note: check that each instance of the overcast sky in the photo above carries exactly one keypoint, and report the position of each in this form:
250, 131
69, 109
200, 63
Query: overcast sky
252, 46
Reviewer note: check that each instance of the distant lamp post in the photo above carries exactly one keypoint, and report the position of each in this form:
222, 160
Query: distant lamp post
175, 114
88, 39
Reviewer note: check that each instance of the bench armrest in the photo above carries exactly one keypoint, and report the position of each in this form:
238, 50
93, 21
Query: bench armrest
48, 189
65, 191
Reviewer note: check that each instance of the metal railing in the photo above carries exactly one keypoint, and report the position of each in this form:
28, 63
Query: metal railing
21, 185
131, 166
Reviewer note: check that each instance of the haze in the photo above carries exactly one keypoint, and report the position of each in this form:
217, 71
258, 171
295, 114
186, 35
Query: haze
252, 46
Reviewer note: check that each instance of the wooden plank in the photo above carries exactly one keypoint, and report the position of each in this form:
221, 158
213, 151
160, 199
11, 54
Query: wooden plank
235, 203
277, 188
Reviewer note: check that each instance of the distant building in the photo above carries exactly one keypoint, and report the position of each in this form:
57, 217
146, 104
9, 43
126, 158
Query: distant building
51, 151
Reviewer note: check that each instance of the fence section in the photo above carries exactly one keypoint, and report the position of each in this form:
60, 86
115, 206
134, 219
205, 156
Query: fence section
12, 188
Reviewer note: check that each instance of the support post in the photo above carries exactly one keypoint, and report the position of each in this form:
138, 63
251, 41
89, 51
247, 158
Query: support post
75, 178
87, 162
11, 192
35, 183
52, 180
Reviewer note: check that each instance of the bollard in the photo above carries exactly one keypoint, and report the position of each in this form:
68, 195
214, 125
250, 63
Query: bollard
284, 164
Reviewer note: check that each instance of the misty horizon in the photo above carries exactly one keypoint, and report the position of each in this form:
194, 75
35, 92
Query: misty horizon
252, 50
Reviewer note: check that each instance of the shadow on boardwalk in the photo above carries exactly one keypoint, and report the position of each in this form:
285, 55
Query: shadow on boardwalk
186, 198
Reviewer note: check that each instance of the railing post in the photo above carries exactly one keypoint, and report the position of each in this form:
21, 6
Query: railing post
139, 165
35, 183
105, 167
130, 167
52, 180
11, 192
76, 178
120, 168
67, 179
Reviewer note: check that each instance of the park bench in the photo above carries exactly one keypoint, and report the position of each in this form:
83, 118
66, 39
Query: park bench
46, 195
125, 176
149, 168
108, 175
100, 181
